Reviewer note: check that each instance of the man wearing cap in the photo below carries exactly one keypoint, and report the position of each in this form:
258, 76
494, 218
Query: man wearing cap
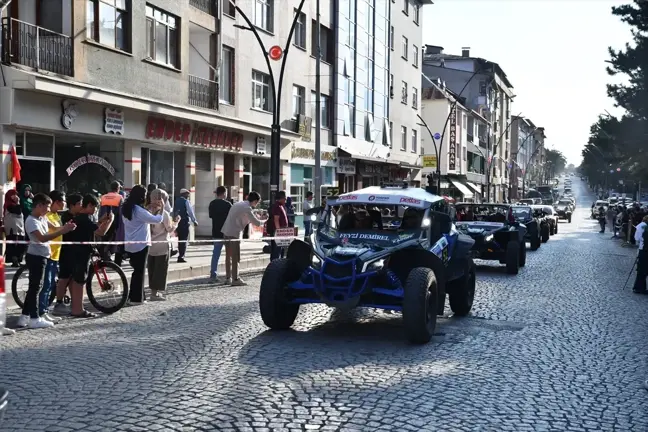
218, 211
183, 209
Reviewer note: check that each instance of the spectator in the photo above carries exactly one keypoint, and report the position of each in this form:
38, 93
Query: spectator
75, 259
136, 220
610, 216
38, 252
150, 188
308, 204
219, 208
74, 205
158, 259
290, 212
51, 270
642, 258
26, 200
14, 227
183, 209
239, 216
278, 219
110, 203
168, 208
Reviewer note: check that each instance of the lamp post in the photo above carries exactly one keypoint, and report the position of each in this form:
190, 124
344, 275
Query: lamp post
436, 151
453, 107
275, 53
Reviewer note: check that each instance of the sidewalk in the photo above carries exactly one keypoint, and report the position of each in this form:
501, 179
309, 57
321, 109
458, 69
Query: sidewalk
198, 264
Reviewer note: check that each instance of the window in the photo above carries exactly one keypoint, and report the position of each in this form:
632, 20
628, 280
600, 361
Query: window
405, 47
414, 140
326, 42
264, 14
415, 55
406, 7
300, 31
403, 138
391, 86
228, 8
162, 34
414, 97
325, 109
391, 38
298, 100
391, 134
226, 85
404, 93
107, 23
261, 91
417, 12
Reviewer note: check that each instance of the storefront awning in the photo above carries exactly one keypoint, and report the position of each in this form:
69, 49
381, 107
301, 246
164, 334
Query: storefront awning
474, 187
462, 188
406, 165
368, 158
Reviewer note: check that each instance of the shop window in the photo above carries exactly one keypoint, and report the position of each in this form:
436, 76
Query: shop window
297, 195
203, 161
39, 145
107, 23
162, 36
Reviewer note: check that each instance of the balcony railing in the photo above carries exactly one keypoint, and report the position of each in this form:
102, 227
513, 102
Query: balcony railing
208, 6
36, 47
203, 92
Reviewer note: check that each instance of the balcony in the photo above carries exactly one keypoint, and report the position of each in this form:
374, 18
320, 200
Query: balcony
475, 177
203, 93
207, 6
36, 47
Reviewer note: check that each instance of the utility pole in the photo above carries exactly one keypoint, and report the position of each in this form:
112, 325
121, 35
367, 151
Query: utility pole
318, 113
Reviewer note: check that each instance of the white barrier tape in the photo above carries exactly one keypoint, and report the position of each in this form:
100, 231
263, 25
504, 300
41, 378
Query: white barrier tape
211, 241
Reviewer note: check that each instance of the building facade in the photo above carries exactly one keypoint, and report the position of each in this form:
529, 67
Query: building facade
162, 91
523, 145
484, 88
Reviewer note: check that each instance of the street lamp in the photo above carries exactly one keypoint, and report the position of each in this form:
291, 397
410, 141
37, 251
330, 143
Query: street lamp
275, 53
453, 107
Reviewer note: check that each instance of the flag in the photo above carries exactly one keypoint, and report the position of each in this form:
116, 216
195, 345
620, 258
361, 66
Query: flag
15, 166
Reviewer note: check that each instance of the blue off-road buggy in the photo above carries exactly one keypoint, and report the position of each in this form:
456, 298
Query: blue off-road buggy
390, 248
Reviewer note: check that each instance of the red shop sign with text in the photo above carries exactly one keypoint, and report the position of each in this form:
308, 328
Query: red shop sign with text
187, 133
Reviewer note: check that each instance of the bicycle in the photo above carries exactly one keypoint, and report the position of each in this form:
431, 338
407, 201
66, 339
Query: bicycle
104, 285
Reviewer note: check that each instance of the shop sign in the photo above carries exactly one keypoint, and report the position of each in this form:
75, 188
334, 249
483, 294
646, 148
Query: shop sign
69, 114
305, 127
114, 121
452, 150
429, 161
90, 159
346, 166
374, 170
308, 153
189, 134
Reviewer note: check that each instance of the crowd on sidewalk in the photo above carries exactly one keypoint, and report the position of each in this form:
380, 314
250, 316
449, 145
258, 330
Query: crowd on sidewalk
142, 220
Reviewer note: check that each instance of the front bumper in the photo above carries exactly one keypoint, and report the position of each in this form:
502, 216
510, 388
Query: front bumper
343, 284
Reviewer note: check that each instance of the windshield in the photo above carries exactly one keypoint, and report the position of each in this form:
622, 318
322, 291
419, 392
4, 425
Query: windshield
521, 213
544, 189
601, 203
482, 212
526, 201
375, 226
564, 202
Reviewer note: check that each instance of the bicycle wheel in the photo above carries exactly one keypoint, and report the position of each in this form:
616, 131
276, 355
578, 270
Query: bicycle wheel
19, 285
107, 287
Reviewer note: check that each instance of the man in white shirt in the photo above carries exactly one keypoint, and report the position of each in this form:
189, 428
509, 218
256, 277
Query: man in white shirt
308, 204
239, 216
642, 258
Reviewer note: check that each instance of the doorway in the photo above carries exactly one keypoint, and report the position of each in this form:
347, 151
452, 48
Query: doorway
37, 174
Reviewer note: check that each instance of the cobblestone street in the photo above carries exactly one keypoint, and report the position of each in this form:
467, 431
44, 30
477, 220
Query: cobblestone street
558, 347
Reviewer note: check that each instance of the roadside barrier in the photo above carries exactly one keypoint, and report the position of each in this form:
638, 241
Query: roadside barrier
200, 241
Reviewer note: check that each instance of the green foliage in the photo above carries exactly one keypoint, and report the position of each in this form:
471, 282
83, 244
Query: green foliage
620, 142
557, 160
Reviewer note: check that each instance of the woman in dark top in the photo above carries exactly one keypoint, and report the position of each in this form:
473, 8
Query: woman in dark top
14, 227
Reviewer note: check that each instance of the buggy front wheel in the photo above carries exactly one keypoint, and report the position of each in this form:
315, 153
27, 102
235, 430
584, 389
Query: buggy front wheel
20, 284
107, 287
420, 305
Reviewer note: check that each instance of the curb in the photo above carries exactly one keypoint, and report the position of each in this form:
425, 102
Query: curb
249, 265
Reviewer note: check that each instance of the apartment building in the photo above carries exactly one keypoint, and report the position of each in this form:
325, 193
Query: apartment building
456, 149
523, 147
484, 86
161, 91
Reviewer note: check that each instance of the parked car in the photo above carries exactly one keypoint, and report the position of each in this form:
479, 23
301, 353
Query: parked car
406, 261
552, 216
524, 215
498, 236
545, 228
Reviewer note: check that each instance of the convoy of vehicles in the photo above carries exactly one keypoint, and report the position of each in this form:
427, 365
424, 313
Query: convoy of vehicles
596, 207
564, 209
524, 215
543, 222
552, 217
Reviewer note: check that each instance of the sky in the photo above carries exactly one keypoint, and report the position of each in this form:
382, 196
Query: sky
552, 51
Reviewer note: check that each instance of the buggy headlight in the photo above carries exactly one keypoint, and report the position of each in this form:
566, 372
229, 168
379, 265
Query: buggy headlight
489, 238
377, 265
313, 217
426, 223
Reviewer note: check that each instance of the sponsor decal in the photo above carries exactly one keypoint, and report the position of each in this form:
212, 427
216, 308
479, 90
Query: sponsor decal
372, 198
410, 200
348, 198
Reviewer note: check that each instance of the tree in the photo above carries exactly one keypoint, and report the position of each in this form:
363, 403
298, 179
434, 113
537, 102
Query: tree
556, 160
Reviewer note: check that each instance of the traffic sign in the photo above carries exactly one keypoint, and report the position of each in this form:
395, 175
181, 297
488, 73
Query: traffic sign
437, 136
275, 52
